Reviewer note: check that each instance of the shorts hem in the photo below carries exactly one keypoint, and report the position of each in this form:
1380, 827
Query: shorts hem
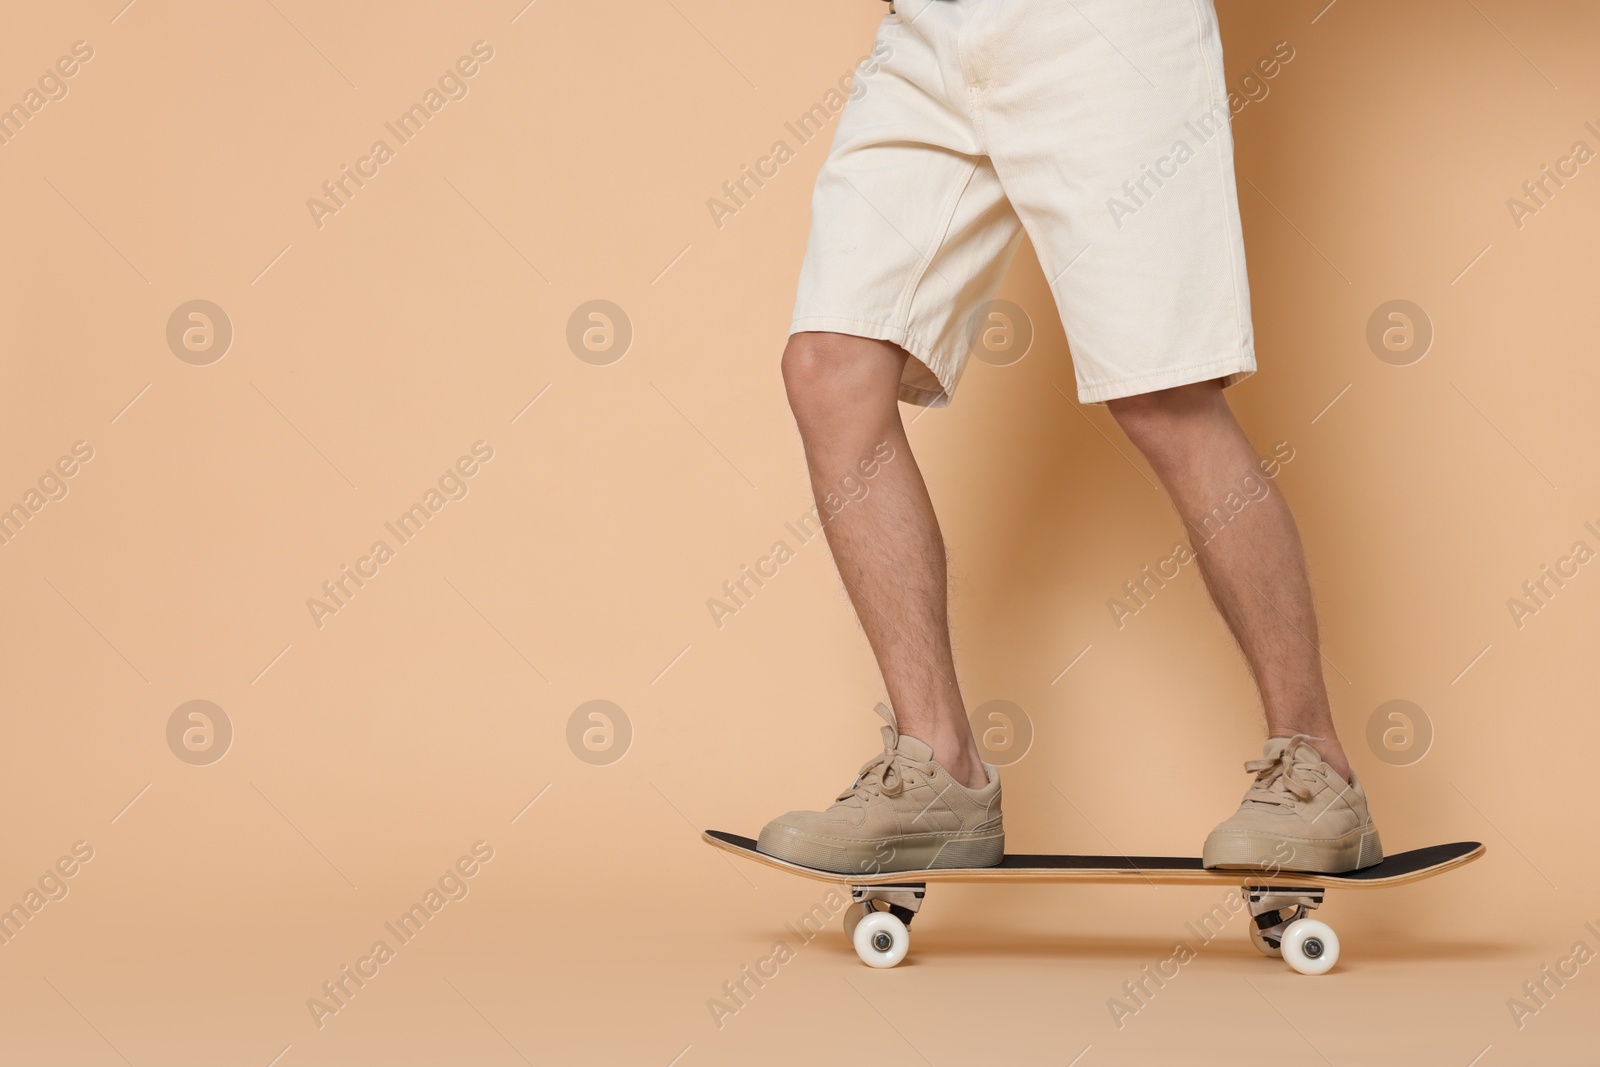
900, 335
1231, 370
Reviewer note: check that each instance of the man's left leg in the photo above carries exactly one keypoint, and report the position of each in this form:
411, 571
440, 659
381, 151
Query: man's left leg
1254, 567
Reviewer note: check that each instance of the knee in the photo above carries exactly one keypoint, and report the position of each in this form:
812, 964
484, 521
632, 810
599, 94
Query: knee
1145, 419
836, 376
1163, 423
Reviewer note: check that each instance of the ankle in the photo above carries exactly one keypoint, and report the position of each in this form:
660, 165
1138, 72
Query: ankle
964, 764
957, 754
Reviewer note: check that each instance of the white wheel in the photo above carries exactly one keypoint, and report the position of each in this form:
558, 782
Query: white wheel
881, 940
853, 915
1263, 946
1310, 947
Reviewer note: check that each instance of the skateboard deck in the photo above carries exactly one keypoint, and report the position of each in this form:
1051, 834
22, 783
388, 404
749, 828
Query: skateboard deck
1399, 869
883, 902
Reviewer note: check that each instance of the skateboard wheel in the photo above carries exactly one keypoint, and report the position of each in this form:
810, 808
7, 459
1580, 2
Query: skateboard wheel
1310, 946
881, 940
854, 914
1263, 946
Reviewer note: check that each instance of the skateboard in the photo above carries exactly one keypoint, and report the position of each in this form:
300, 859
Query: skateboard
883, 903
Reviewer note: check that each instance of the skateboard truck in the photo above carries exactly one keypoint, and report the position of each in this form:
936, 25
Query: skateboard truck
901, 901
1279, 927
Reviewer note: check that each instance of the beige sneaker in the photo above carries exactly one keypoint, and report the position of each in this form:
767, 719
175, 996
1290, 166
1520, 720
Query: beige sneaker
902, 813
1299, 815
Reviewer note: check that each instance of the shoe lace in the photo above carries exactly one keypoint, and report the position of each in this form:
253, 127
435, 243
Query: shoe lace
880, 775
1276, 780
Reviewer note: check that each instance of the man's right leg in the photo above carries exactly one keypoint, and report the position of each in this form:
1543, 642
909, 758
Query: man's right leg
887, 545
928, 800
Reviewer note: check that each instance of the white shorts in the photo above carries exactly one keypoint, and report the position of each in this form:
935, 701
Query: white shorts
1098, 126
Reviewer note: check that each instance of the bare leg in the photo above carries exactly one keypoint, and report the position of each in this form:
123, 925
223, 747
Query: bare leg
887, 544
1252, 561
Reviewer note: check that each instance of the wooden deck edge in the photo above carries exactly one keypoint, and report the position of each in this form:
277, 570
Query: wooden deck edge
1102, 876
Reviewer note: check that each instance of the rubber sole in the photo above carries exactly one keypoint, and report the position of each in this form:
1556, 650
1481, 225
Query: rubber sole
1244, 850
915, 852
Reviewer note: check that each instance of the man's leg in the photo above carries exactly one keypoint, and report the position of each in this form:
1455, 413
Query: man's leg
1253, 564
887, 545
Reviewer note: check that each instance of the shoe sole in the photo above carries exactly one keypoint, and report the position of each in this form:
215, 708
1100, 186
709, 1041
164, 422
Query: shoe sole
1250, 851
920, 852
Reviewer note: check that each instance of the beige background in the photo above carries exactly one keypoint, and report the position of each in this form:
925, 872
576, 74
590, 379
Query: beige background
426, 315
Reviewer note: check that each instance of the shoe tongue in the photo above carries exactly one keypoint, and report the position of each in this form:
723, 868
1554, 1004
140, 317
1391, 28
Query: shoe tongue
913, 749
909, 747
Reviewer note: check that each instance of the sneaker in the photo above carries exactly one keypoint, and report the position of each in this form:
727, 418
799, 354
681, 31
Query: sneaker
902, 813
1298, 815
